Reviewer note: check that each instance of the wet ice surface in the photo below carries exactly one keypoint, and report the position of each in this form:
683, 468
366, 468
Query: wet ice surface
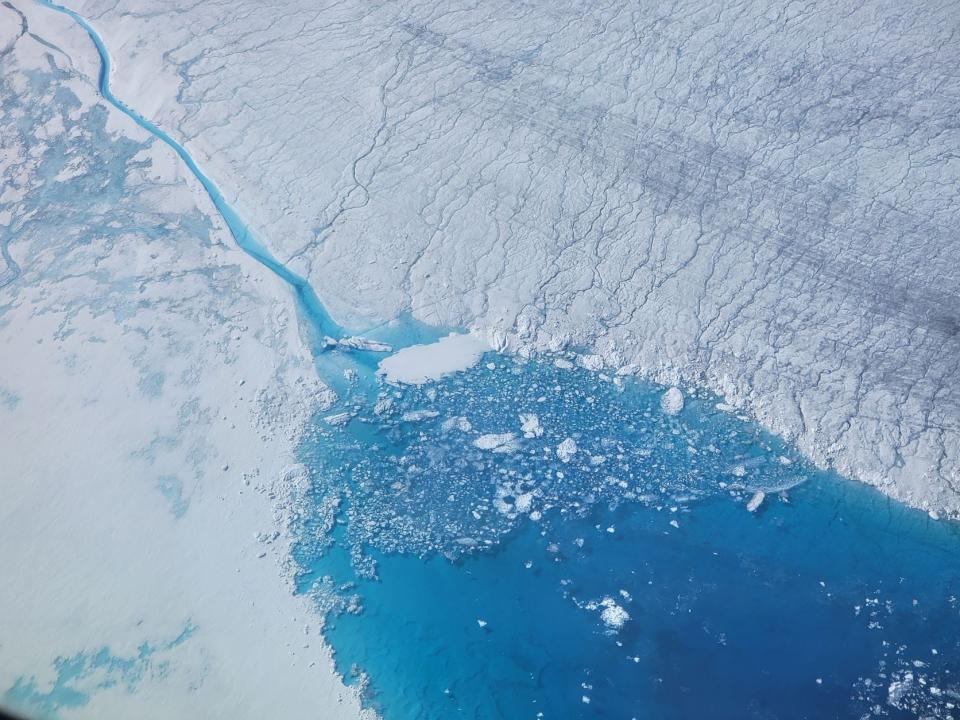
522, 539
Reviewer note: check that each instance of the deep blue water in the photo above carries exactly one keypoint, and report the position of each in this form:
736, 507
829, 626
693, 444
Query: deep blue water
809, 608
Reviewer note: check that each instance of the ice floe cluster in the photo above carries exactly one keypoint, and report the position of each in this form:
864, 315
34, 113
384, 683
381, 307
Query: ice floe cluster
451, 466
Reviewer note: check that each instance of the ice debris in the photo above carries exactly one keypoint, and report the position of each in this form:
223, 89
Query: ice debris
671, 402
567, 449
457, 423
756, 501
418, 415
498, 442
358, 343
338, 419
530, 425
613, 615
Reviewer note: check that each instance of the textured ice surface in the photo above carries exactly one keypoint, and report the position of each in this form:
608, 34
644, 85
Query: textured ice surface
761, 199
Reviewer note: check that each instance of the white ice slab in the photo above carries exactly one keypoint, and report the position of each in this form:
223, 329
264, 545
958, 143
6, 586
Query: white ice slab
418, 364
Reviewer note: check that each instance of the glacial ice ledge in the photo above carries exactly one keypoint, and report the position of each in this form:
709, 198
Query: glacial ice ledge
761, 202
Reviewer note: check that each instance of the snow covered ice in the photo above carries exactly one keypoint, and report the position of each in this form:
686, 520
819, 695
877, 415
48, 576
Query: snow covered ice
303, 304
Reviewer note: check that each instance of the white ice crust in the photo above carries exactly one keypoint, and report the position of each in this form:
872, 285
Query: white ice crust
419, 364
760, 202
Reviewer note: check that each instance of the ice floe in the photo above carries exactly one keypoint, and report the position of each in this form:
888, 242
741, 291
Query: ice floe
418, 364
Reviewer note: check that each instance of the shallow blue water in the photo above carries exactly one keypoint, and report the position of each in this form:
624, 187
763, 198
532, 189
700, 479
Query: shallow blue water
809, 608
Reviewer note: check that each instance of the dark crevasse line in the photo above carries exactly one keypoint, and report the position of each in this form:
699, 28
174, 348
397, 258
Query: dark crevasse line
309, 302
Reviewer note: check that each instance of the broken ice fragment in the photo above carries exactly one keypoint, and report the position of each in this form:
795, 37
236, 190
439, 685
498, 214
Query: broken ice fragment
612, 615
497, 442
671, 402
338, 419
530, 425
358, 343
418, 415
567, 449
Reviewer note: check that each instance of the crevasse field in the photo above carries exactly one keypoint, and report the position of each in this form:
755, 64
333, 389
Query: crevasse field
493, 360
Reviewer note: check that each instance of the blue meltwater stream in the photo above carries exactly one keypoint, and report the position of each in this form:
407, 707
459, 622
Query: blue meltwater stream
529, 540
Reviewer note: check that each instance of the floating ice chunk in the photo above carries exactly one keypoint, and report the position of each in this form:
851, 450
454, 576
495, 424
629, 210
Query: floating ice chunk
421, 363
899, 688
383, 406
530, 425
498, 442
675, 524
567, 449
481, 622
756, 501
671, 402
359, 343
418, 415
563, 364
612, 615
457, 423
338, 419
523, 503
592, 362
739, 471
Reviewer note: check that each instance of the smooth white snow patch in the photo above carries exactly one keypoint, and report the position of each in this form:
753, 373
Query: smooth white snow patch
419, 364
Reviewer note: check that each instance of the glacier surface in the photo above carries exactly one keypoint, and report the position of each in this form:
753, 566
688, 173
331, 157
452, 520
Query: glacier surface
756, 198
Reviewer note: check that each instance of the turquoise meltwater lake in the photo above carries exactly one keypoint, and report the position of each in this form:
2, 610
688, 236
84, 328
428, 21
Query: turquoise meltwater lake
470, 569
